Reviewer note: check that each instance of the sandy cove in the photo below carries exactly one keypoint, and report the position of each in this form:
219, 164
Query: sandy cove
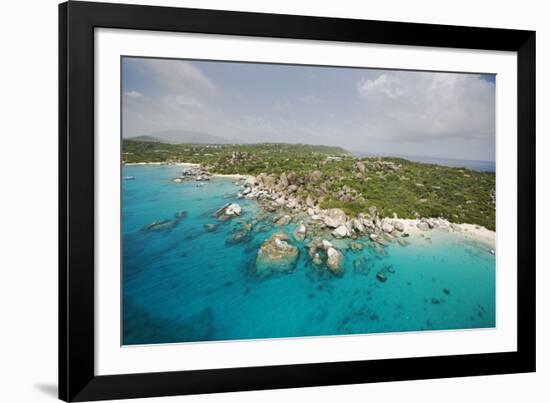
471, 231
233, 176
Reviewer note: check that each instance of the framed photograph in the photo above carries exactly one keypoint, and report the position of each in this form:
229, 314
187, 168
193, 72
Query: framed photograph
253, 201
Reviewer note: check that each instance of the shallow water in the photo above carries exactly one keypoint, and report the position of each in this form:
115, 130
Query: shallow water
187, 284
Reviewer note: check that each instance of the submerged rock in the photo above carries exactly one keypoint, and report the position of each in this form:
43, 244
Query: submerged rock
361, 266
240, 236
317, 260
402, 242
276, 255
380, 276
181, 214
314, 245
379, 239
334, 261
300, 232
210, 227
161, 225
355, 246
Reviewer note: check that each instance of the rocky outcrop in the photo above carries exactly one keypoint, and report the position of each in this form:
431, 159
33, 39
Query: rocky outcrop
233, 210
423, 226
334, 261
321, 249
193, 172
300, 232
387, 227
358, 225
398, 225
161, 225
314, 177
292, 197
228, 211
283, 220
334, 218
341, 232
276, 255
315, 245
359, 166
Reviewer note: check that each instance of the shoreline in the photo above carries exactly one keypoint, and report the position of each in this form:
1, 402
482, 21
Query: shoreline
465, 230
479, 234
470, 231
183, 164
233, 176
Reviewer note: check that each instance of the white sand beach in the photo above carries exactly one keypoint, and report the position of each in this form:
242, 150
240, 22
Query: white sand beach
471, 231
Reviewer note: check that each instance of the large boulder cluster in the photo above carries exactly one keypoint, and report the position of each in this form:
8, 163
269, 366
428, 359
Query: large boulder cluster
426, 224
285, 190
189, 173
322, 252
276, 255
228, 211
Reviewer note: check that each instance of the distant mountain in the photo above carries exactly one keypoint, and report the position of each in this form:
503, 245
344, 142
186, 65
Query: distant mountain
147, 138
182, 136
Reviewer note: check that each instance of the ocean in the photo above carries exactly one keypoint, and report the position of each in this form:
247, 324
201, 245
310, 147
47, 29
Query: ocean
481, 166
186, 283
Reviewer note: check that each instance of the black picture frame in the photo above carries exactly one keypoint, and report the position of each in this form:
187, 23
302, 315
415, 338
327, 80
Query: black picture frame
77, 379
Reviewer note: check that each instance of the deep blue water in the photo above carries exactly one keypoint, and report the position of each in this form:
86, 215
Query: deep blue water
186, 284
482, 166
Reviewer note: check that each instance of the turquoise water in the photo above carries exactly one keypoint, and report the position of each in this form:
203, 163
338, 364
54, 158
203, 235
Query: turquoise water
186, 283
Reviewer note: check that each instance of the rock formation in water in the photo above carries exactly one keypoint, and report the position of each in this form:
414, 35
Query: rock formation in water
276, 255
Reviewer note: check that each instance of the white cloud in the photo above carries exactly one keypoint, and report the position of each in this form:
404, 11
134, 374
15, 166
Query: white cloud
182, 101
399, 112
178, 76
422, 107
134, 94
173, 94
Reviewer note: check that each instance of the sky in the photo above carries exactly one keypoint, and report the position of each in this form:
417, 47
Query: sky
386, 112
